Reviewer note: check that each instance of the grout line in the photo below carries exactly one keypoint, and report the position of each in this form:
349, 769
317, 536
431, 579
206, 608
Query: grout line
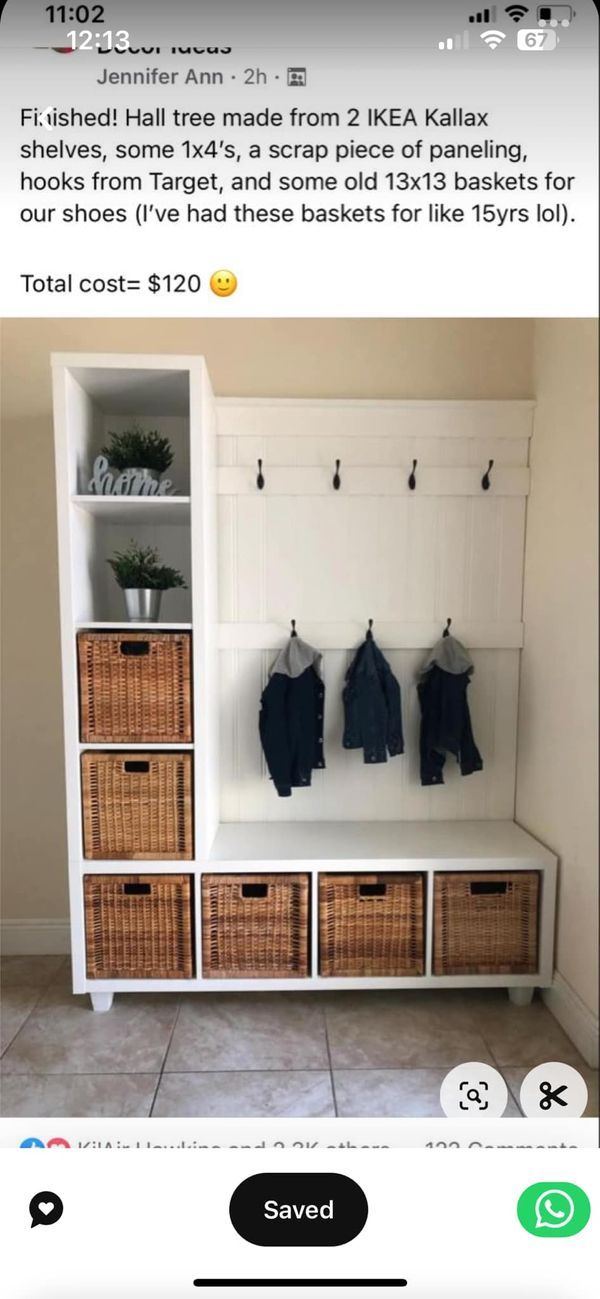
253, 1069
331, 1073
514, 1096
105, 1073
40, 992
162, 1068
501, 1068
59, 971
151, 1073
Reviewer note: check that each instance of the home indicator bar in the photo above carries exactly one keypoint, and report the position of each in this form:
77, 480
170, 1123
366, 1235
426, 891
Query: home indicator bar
302, 1284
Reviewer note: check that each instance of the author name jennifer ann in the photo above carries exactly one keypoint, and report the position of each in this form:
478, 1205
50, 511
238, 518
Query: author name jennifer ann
157, 77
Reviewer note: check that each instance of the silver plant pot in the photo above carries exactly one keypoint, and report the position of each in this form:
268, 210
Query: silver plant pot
143, 604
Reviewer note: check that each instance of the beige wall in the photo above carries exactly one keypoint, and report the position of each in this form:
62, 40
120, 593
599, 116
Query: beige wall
311, 358
557, 774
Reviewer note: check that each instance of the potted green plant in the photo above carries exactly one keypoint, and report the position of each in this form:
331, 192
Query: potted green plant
143, 578
147, 453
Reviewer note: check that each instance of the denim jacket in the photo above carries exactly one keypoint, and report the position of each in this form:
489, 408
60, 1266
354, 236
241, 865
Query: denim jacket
372, 706
291, 717
445, 717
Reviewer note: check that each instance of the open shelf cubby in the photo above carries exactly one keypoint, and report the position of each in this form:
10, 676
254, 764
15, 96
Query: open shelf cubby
98, 400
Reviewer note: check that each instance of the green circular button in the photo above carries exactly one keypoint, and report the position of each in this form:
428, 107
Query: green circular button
553, 1209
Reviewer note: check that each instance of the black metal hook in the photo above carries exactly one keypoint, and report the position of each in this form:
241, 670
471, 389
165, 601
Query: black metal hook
412, 482
485, 481
260, 480
337, 482
293, 631
446, 631
370, 630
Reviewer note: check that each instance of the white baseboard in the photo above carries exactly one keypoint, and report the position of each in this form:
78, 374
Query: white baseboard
579, 1023
35, 938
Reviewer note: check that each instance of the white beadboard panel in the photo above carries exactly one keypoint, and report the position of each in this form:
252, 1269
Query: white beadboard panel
308, 573
250, 559
346, 559
390, 635
228, 737
494, 569
227, 451
388, 540
242, 557
511, 559
263, 417
506, 667
375, 481
243, 772
452, 524
483, 562
409, 560
227, 510
417, 564
349, 789
288, 451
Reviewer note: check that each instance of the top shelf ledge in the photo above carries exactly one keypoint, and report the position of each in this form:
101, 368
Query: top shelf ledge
134, 509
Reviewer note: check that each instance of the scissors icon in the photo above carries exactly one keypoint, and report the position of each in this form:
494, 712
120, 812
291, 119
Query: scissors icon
549, 1095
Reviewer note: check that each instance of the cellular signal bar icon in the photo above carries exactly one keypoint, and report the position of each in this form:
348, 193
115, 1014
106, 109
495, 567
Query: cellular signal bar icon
455, 42
486, 16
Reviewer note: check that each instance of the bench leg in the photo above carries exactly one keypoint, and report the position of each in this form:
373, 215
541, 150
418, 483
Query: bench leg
520, 996
101, 1001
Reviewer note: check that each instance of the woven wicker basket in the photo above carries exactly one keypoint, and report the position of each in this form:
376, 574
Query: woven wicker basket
138, 926
486, 922
137, 806
255, 926
371, 925
135, 687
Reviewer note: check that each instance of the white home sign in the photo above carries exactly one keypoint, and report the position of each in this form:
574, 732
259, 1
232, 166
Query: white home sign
129, 483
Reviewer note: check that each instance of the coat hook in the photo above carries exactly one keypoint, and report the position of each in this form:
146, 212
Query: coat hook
485, 481
260, 481
412, 482
293, 631
337, 482
446, 631
370, 630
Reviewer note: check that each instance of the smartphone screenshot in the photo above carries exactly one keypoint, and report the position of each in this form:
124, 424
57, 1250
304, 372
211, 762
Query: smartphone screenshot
299, 397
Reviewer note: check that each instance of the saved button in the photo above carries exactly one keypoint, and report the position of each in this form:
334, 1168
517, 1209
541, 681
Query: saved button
298, 1209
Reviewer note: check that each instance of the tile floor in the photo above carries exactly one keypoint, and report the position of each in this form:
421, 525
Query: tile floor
262, 1055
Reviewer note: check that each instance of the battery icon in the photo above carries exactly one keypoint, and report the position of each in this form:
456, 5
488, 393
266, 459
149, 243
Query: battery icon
536, 40
555, 15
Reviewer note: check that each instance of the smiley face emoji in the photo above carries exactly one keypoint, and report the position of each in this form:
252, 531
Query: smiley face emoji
223, 283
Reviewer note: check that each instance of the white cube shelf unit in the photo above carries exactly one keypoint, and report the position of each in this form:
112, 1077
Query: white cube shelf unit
255, 559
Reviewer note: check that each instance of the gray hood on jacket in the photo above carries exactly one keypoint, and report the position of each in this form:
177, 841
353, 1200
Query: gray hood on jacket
450, 656
295, 657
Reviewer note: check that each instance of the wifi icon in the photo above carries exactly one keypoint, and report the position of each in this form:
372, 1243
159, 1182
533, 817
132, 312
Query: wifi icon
493, 39
516, 12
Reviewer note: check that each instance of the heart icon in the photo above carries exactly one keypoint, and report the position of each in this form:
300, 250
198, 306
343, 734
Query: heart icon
45, 1207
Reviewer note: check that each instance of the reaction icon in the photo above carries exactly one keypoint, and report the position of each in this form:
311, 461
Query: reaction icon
46, 1209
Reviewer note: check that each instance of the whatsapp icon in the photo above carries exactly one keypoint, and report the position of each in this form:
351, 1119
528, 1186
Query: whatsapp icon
553, 1209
